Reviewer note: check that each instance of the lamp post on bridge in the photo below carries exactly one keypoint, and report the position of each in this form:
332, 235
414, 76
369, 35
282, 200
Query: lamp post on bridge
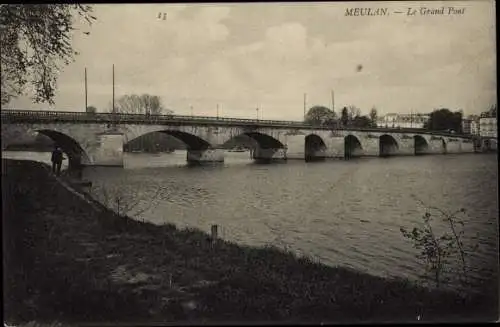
191, 107
86, 105
113, 101
257, 109
305, 104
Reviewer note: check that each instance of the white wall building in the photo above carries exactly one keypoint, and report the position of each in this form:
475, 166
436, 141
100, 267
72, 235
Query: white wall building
403, 120
488, 127
467, 126
474, 127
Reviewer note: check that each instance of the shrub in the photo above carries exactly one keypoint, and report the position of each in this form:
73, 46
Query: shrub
437, 250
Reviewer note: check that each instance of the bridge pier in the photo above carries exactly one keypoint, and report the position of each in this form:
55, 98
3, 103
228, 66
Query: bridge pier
269, 155
436, 146
371, 148
467, 146
335, 147
295, 146
489, 145
453, 146
406, 146
316, 155
309, 148
205, 156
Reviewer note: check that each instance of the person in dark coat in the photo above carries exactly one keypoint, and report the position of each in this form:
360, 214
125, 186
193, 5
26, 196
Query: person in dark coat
57, 158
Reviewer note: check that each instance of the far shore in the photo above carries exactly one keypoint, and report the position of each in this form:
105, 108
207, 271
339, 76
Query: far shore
69, 259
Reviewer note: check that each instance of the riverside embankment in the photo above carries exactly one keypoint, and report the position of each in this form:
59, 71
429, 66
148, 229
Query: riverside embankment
69, 259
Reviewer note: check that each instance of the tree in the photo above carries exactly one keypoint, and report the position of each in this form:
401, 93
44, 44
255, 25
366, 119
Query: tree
373, 116
140, 104
457, 122
320, 115
34, 40
443, 120
344, 118
91, 109
353, 112
361, 121
491, 113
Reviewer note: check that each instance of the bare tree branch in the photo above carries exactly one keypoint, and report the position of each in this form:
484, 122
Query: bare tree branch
124, 203
143, 104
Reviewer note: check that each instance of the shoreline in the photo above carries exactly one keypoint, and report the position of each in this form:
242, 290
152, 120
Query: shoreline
69, 258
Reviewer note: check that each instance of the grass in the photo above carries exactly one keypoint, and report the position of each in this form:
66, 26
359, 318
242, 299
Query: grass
73, 261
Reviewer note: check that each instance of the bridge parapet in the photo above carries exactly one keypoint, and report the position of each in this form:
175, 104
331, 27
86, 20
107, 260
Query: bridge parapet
38, 116
125, 118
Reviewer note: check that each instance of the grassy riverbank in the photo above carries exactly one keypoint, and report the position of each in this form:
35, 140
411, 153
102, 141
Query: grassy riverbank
69, 260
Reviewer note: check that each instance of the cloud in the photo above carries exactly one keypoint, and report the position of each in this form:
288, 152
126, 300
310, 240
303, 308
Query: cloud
245, 55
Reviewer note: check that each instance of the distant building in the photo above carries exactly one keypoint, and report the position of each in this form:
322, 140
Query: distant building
467, 126
403, 120
474, 124
474, 127
488, 127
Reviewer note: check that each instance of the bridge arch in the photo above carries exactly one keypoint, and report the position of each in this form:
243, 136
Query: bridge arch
387, 145
263, 147
420, 144
257, 139
352, 147
74, 151
191, 141
265, 141
313, 143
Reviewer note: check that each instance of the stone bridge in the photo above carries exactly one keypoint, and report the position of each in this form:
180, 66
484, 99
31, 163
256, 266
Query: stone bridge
98, 139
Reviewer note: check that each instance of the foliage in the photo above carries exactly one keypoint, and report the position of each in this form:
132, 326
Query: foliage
351, 116
34, 39
437, 250
361, 121
353, 112
125, 203
344, 118
140, 104
91, 109
320, 116
491, 113
443, 120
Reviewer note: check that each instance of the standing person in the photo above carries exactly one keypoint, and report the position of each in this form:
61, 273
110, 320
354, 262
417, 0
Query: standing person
57, 158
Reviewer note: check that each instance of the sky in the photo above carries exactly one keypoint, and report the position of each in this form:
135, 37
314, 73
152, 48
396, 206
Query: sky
268, 55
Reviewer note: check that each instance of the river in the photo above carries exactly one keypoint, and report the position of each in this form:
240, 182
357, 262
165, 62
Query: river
345, 213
